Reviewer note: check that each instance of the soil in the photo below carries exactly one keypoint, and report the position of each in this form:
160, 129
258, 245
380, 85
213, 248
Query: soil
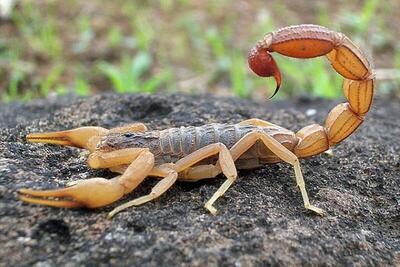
57, 45
261, 220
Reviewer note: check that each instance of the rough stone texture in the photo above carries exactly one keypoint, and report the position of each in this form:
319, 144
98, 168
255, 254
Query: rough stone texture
261, 219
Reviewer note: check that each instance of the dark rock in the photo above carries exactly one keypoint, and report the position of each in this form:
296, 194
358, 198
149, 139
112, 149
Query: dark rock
261, 219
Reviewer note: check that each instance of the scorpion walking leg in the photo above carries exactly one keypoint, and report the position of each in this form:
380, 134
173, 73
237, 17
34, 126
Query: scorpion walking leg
170, 173
282, 152
191, 174
209, 171
112, 159
98, 192
225, 160
169, 177
196, 173
200, 172
134, 127
119, 169
256, 122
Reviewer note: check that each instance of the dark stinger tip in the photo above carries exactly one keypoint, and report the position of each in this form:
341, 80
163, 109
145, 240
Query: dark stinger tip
278, 79
263, 64
276, 91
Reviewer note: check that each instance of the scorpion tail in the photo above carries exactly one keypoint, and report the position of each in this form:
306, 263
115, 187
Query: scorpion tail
263, 64
310, 41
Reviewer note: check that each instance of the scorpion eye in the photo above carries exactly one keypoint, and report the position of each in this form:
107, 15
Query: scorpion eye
128, 135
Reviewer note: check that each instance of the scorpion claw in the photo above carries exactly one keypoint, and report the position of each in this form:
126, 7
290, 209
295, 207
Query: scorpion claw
79, 137
51, 202
91, 193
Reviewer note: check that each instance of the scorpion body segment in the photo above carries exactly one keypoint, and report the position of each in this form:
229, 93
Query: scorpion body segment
172, 144
195, 153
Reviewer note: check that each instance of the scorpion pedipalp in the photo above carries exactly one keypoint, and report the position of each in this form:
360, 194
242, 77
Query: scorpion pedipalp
91, 193
79, 137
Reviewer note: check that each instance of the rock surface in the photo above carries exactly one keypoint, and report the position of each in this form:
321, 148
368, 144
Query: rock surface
261, 219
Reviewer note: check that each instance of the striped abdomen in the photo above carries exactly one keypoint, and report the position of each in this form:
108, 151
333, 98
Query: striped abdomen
172, 144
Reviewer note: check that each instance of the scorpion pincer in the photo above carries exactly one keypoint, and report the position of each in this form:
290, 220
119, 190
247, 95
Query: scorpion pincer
195, 153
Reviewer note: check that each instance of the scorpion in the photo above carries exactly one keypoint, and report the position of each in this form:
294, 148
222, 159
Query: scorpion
195, 153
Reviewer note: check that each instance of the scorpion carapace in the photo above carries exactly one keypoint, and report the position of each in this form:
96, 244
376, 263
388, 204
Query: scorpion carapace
195, 153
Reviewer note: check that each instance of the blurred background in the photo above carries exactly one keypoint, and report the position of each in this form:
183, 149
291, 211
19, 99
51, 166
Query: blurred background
50, 47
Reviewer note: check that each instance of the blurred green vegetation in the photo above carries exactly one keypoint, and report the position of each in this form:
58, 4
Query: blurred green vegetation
59, 47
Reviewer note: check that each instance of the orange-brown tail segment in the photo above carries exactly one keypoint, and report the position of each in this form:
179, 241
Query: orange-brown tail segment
308, 41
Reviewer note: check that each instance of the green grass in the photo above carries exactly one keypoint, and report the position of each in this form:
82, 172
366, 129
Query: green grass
39, 30
130, 76
16, 71
315, 77
114, 36
81, 87
51, 80
360, 21
86, 35
133, 46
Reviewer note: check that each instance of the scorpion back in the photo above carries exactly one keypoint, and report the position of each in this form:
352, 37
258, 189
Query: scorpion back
173, 144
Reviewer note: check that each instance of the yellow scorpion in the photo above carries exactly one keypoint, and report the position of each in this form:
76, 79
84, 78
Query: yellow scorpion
195, 153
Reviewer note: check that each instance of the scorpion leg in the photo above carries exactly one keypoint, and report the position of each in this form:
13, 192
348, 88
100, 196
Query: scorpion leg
134, 127
169, 177
119, 169
98, 192
170, 173
196, 173
103, 160
225, 160
199, 172
282, 152
256, 122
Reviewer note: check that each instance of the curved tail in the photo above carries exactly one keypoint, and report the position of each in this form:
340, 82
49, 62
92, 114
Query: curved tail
308, 41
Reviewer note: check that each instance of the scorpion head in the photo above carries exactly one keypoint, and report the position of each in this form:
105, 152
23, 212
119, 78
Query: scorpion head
264, 65
114, 141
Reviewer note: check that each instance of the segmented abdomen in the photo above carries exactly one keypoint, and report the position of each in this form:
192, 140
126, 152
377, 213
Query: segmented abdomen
185, 140
173, 144
176, 143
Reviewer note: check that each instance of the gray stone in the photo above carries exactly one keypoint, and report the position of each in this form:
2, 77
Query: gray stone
261, 220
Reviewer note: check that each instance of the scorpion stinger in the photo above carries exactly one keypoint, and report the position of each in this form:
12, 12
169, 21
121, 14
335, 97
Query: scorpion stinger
263, 64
